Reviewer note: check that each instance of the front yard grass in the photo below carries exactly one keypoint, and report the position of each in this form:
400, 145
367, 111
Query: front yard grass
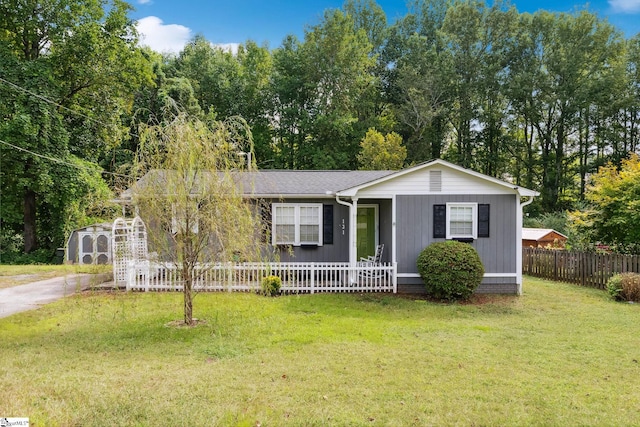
558, 355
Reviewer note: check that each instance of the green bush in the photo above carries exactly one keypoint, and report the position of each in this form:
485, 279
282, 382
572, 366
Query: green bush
450, 270
624, 287
271, 286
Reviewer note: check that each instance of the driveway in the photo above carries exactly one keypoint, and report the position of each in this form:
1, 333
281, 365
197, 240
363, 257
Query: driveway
31, 296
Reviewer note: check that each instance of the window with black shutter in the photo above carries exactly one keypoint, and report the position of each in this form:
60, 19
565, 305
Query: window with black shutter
461, 221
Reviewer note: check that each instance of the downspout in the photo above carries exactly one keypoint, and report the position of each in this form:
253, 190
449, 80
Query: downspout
353, 212
519, 243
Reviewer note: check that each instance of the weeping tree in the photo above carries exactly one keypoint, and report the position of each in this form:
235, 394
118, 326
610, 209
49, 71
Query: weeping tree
190, 196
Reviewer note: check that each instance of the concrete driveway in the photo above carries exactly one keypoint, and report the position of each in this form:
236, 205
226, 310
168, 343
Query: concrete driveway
32, 295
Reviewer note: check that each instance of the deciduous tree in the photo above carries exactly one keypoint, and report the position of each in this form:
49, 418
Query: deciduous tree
381, 152
613, 214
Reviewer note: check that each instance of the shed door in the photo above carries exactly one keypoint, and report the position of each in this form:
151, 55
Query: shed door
367, 230
94, 248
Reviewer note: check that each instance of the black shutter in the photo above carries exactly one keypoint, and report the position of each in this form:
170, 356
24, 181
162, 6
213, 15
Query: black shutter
483, 220
327, 224
439, 221
266, 217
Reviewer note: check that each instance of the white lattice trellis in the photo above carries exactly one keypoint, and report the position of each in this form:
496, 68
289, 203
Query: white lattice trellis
129, 245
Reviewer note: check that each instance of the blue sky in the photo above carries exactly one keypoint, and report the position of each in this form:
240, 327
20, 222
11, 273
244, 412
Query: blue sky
168, 24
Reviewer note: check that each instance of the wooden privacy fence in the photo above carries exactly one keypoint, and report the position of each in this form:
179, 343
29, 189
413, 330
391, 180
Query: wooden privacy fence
582, 268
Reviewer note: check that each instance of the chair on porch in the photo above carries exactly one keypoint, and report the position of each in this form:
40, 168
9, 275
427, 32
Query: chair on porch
371, 261
375, 259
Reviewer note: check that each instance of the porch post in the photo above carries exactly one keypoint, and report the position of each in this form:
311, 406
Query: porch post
353, 239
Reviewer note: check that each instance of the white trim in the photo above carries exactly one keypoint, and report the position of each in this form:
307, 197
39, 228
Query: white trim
93, 253
394, 257
486, 275
474, 220
500, 274
178, 224
296, 218
515, 188
519, 213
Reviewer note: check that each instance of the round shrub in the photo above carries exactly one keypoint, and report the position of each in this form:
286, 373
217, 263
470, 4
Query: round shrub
624, 287
614, 287
450, 270
271, 285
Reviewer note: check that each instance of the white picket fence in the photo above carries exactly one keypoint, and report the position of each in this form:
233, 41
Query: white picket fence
296, 277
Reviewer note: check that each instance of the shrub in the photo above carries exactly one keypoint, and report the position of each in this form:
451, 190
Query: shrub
624, 287
450, 270
271, 285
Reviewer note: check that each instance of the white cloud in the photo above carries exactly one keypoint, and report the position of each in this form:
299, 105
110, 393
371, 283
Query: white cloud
625, 6
160, 37
144, 1
227, 47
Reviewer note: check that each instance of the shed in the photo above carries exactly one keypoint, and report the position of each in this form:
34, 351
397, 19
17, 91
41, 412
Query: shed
90, 245
542, 237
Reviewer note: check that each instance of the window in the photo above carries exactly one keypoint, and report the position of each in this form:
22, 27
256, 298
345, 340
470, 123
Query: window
462, 221
179, 215
297, 224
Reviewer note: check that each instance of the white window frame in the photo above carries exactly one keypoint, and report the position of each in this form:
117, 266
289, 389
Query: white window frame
178, 223
474, 221
297, 223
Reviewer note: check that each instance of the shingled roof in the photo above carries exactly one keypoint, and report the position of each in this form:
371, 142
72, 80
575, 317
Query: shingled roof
279, 183
305, 183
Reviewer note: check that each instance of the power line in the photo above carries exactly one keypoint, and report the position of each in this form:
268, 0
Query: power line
50, 101
53, 159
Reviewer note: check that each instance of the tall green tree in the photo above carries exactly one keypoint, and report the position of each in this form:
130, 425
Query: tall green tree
570, 58
318, 85
338, 62
68, 68
418, 79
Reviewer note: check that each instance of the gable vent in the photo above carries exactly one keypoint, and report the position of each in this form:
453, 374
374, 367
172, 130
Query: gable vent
435, 181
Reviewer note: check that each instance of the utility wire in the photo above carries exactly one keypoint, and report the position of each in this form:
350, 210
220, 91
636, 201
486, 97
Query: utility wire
45, 99
78, 113
53, 159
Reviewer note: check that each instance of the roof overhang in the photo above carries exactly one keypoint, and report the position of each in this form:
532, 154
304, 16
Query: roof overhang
521, 191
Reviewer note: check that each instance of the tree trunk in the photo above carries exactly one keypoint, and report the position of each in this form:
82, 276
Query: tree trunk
188, 300
29, 211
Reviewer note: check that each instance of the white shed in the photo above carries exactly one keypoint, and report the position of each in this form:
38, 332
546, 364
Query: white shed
90, 245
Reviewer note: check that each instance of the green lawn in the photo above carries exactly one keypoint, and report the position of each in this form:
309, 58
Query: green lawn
558, 355
14, 275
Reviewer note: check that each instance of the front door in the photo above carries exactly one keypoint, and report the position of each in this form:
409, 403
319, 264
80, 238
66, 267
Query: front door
367, 230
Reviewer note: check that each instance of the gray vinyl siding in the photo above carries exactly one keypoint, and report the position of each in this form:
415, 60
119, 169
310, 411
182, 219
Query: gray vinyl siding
415, 230
338, 251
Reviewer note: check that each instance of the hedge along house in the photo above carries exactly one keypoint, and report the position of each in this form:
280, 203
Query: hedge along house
342, 216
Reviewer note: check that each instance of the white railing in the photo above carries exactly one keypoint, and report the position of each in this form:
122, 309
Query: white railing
296, 277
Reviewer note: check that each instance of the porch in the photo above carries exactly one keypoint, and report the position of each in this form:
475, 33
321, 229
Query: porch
247, 277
